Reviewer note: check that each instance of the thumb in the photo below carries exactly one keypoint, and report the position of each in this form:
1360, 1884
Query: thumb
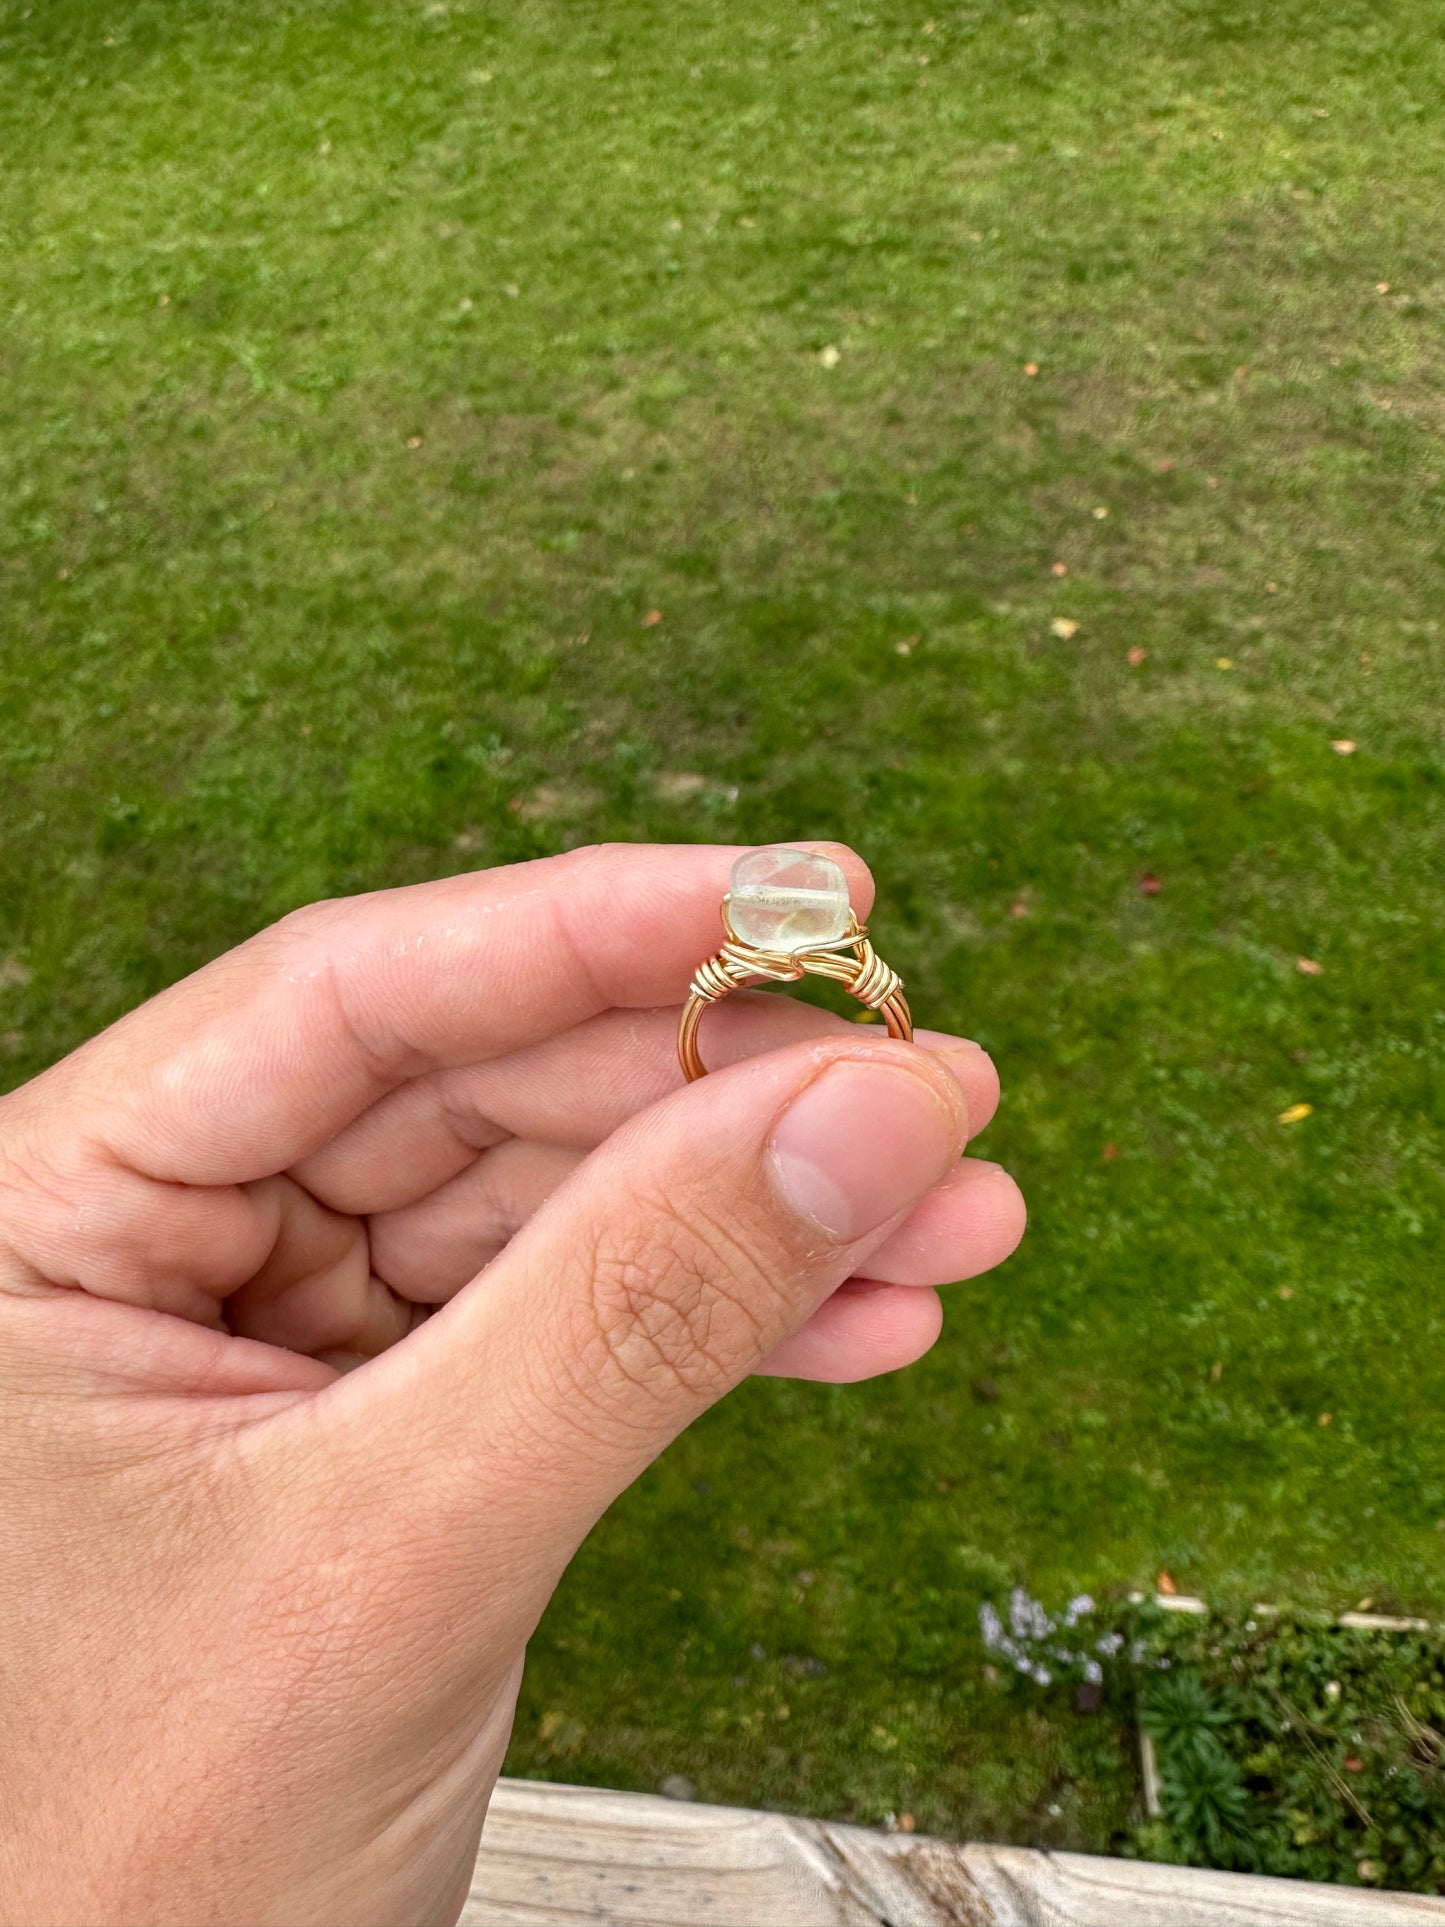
672, 1262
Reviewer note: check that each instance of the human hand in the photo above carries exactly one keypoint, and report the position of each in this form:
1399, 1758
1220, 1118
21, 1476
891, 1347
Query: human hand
265, 1615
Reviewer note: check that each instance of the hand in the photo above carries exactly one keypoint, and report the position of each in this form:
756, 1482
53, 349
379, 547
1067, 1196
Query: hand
264, 1616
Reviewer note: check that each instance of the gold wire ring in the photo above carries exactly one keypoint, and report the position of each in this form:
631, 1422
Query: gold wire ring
863, 974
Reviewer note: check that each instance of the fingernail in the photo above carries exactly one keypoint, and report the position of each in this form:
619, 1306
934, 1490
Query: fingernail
946, 1044
863, 1142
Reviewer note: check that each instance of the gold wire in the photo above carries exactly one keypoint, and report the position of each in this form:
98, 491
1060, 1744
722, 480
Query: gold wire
863, 974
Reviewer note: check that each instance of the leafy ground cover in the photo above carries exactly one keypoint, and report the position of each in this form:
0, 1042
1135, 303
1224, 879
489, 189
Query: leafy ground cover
1287, 1747
1024, 427
1284, 1743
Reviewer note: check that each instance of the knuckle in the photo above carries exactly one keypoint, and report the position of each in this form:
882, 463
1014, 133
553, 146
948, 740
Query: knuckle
679, 1302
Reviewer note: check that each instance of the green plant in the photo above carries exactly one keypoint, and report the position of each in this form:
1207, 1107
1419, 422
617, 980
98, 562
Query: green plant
1285, 1743
1289, 1745
1205, 1796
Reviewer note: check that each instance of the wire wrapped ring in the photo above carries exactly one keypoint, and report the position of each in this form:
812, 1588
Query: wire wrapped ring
849, 960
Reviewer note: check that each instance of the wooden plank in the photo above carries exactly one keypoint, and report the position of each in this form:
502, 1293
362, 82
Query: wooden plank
558, 1856
1183, 1602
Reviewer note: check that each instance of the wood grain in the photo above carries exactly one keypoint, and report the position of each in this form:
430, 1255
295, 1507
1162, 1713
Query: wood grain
558, 1856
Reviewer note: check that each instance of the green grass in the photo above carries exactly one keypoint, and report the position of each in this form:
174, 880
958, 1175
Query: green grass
367, 372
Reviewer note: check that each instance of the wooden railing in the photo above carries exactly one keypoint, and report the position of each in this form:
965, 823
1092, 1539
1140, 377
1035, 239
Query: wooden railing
558, 1856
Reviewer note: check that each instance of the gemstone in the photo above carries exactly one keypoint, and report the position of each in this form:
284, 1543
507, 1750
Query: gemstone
787, 900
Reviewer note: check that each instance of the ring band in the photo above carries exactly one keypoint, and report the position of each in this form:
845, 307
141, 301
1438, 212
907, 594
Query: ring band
849, 960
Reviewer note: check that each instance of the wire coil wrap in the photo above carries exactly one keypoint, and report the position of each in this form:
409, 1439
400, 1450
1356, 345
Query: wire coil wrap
850, 961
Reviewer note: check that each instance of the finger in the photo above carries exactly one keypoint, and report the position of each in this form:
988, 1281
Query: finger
573, 1089
672, 1263
428, 1251
966, 1225
863, 1330
316, 1292
974, 1069
267, 1053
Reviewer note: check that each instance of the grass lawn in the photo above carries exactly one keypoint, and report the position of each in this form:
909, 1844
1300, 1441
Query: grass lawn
1026, 424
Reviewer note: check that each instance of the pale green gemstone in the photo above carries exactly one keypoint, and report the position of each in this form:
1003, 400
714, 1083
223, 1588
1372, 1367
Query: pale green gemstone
787, 900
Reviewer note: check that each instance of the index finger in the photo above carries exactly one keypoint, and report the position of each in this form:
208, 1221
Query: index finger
262, 1056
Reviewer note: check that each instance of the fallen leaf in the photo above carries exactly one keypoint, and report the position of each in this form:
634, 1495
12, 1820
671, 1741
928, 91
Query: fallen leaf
1352, 1763
1382, 287
1031, 367
831, 355
1063, 627
1137, 655
1224, 662
1296, 1113
1059, 568
1165, 1584
1307, 967
652, 618
1149, 884
1110, 1152
1018, 909
1342, 746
